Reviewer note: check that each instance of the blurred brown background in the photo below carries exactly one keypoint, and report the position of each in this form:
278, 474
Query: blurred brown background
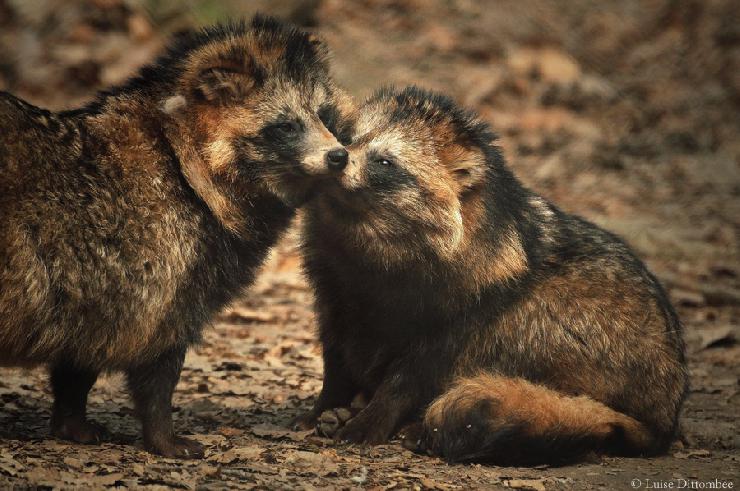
626, 112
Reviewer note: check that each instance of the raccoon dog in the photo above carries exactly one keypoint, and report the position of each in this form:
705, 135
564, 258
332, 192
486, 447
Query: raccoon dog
128, 223
448, 293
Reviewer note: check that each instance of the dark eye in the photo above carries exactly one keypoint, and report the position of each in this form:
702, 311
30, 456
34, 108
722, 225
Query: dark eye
288, 128
384, 161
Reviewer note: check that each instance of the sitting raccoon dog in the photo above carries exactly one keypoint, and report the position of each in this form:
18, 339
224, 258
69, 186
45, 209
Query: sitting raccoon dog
128, 223
447, 292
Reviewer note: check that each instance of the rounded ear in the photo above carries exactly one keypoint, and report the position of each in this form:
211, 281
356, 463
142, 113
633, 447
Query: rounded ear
220, 85
223, 81
466, 164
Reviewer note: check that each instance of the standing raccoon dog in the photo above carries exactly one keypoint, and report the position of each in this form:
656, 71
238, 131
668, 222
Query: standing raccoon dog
128, 223
449, 293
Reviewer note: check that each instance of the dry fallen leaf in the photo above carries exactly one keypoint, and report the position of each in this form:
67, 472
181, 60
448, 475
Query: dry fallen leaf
73, 462
244, 315
274, 431
10, 466
237, 454
687, 298
533, 484
361, 477
711, 337
107, 480
692, 454
432, 484
312, 462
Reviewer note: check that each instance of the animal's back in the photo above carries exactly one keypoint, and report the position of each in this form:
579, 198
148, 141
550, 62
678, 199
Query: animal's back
33, 143
92, 248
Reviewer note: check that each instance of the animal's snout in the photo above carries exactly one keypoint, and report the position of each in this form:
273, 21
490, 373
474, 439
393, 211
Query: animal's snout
337, 159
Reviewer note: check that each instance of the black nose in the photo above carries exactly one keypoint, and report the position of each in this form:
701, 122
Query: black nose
337, 159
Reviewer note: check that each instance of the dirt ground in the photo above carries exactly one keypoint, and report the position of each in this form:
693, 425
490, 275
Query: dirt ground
625, 112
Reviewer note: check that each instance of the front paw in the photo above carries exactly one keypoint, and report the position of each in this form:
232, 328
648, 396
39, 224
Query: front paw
361, 430
305, 421
332, 420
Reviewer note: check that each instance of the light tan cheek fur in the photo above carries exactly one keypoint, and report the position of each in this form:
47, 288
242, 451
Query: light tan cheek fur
221, 131
448, 244
199, 175
353, 175
220, 155
441, 209
217, 158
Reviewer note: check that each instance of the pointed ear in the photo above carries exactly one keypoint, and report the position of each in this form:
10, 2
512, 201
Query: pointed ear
226, 81
466, 164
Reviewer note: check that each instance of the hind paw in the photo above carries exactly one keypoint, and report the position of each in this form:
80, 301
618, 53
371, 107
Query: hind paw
412, 437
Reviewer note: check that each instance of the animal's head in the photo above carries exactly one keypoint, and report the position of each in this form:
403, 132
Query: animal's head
257, 103
415, 180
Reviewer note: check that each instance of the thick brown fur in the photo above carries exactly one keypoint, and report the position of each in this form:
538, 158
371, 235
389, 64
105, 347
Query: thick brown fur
449, 293
128, 223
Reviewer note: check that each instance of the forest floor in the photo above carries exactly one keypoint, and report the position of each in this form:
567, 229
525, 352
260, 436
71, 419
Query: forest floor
625, 113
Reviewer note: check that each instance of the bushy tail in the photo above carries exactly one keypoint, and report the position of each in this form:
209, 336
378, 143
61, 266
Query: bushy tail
503, 420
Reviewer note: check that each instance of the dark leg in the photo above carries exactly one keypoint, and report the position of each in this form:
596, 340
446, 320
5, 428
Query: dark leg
375, 424
70, 386
151, 386
400, 399
338, 390
332, 420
